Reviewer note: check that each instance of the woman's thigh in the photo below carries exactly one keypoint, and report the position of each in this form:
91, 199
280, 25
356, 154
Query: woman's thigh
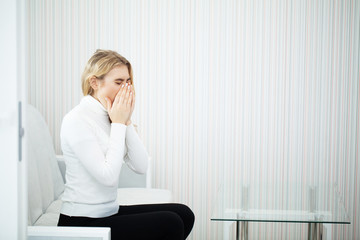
185, 213
180, 209
149, 225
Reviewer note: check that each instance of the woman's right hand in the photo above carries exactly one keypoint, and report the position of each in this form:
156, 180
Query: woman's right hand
120, 109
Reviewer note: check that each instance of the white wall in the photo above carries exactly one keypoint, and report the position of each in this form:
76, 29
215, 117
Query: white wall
226, 91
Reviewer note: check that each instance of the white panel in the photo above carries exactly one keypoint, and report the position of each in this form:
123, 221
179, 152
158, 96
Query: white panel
12, 179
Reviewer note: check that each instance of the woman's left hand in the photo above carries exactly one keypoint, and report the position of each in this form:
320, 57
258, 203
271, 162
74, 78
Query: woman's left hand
132, 104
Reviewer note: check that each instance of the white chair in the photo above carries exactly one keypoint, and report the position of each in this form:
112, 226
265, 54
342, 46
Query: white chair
46, 185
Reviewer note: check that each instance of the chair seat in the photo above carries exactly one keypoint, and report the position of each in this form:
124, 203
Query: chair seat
134, 196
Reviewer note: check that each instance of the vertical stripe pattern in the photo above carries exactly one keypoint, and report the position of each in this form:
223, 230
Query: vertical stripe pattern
227, 92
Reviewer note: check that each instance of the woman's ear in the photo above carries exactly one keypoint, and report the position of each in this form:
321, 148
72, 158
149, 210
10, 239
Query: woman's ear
94, 83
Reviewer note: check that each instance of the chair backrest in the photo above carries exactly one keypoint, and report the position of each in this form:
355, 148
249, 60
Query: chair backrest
45, 183
129, 179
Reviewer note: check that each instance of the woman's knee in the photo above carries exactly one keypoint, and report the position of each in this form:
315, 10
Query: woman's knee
186, 213
172, 224
187, 216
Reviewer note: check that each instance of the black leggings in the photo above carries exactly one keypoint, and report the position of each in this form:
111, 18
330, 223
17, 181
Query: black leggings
153, 221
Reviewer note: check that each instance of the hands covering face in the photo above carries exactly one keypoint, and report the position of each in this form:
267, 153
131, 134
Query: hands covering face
121, 109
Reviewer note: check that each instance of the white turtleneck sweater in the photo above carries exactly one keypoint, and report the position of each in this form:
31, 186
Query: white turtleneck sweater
94, 150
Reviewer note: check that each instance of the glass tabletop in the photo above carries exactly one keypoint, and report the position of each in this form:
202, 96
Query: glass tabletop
290, 202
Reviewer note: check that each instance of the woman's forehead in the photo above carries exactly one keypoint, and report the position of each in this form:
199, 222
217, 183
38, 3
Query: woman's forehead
119, 72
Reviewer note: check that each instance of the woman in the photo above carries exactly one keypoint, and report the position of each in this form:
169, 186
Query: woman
97, 137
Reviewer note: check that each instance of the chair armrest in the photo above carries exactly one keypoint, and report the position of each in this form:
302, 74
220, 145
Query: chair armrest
61, 164
67, 233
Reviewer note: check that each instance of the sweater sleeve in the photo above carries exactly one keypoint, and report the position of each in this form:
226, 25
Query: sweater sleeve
137, 156
105, 168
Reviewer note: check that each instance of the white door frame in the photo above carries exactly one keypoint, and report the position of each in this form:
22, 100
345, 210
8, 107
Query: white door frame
13, 184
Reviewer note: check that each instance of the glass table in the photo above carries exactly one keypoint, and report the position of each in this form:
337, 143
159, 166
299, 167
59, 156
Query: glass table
280, 202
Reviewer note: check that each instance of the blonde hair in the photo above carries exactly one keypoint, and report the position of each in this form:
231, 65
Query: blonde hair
102, 62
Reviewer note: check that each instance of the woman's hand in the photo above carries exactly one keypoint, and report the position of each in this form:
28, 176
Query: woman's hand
132, 105
121, 108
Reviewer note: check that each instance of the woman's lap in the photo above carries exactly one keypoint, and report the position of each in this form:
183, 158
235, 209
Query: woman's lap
152, 221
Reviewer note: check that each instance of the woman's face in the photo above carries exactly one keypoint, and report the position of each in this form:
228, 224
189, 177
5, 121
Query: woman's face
111, 83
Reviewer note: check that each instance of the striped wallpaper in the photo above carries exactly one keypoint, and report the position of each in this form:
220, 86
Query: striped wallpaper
227, 91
